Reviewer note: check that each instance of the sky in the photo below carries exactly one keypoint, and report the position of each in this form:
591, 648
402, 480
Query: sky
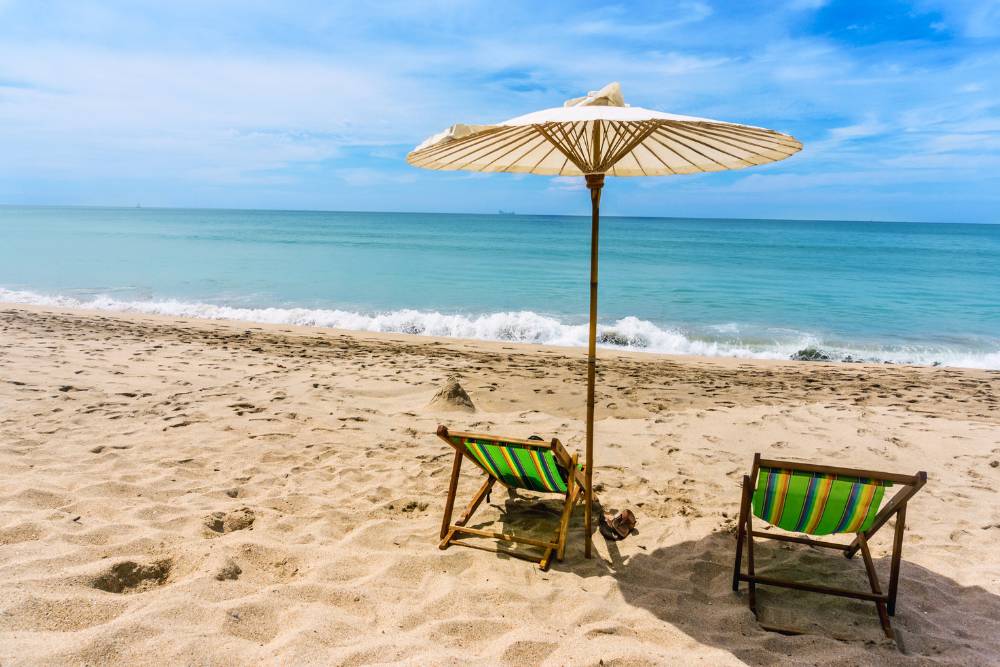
314, 105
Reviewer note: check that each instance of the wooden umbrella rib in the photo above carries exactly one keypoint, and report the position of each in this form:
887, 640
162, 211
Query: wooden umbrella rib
721, 131
437, 149
655, 137
728, 140
471, 153
625, 147
635, 157
761, 142
626, 132
567, 144
622, 162
557, 137
680, 140
502, 145
531, 143
621, 134
581, 142
583, 139
605, 140
547, 153
657, 156
570, 144
642, 131
486, 150
681, 132
575, 139
547, 131
596, 133
450, 158
566, 162
544, 131
745, 131
528, 138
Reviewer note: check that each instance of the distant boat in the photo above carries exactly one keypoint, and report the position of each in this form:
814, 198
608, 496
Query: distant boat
503, 212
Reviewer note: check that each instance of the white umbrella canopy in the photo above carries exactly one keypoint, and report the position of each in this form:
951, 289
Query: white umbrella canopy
600, 134
594, 136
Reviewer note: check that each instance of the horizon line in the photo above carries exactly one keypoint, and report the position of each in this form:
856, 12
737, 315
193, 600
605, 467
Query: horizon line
504, 214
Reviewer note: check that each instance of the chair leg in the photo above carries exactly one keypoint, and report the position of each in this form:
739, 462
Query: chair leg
449, 529
740, 531
897, 554
567, 513
751, 571
866, 555
477, 500
571, 497
449, 504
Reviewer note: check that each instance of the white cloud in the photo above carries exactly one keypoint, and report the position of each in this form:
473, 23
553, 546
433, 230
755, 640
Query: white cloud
567, 183
239, 95
622, 22
807, 5
365, 177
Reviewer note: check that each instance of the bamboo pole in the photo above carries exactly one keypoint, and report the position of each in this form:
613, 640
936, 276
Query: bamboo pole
594, 182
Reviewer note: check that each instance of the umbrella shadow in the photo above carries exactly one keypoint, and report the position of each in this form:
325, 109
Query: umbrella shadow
689, 586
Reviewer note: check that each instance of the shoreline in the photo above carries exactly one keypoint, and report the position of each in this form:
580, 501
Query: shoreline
277, 492
603, 350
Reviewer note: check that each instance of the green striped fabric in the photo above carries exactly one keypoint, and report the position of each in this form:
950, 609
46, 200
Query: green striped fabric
517, 465
817, 503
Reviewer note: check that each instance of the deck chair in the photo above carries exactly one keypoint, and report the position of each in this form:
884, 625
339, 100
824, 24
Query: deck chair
535, 465
823, 500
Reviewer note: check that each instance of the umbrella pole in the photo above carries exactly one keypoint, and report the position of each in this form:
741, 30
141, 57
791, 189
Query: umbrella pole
594, 183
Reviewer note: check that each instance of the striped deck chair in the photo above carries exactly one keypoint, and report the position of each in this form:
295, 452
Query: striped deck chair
823, 500
535, 465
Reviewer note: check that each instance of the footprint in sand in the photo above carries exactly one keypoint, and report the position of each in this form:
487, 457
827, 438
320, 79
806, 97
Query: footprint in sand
131, 577
228, 570
228, 522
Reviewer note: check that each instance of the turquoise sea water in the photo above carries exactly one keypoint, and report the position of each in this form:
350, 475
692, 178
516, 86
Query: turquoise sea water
904, 292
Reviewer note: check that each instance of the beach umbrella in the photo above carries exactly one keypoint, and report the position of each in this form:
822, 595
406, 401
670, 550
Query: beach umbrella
596, 136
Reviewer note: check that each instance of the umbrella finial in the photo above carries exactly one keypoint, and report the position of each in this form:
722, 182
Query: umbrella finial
608, 96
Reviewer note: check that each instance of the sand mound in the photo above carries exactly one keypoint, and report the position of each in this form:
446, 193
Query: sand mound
451, 397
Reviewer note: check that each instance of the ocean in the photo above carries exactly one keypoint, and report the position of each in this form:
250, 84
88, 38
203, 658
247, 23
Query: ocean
880, 291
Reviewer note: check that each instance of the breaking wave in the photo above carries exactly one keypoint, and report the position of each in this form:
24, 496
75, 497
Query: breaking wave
628, 333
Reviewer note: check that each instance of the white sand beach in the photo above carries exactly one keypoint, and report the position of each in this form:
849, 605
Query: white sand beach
193, 492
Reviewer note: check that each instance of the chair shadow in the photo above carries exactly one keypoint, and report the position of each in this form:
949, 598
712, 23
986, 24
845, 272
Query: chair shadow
526, 514
689, 586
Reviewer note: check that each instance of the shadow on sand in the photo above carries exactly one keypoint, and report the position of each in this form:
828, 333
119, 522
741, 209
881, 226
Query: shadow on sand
689, 585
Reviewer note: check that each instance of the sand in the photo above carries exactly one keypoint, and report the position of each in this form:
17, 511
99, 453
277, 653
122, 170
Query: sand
192, 492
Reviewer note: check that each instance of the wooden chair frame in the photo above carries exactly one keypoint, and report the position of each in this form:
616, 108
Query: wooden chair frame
885, 603
575, 486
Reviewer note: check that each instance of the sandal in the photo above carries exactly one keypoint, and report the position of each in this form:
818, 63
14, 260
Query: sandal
619, 527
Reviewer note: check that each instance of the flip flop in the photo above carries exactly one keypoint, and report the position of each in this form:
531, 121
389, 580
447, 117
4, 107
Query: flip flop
619, 527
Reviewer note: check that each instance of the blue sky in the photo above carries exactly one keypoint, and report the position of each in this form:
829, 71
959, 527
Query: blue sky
314, 105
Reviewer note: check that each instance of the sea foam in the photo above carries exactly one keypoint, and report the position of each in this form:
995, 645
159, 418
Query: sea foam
628, 333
